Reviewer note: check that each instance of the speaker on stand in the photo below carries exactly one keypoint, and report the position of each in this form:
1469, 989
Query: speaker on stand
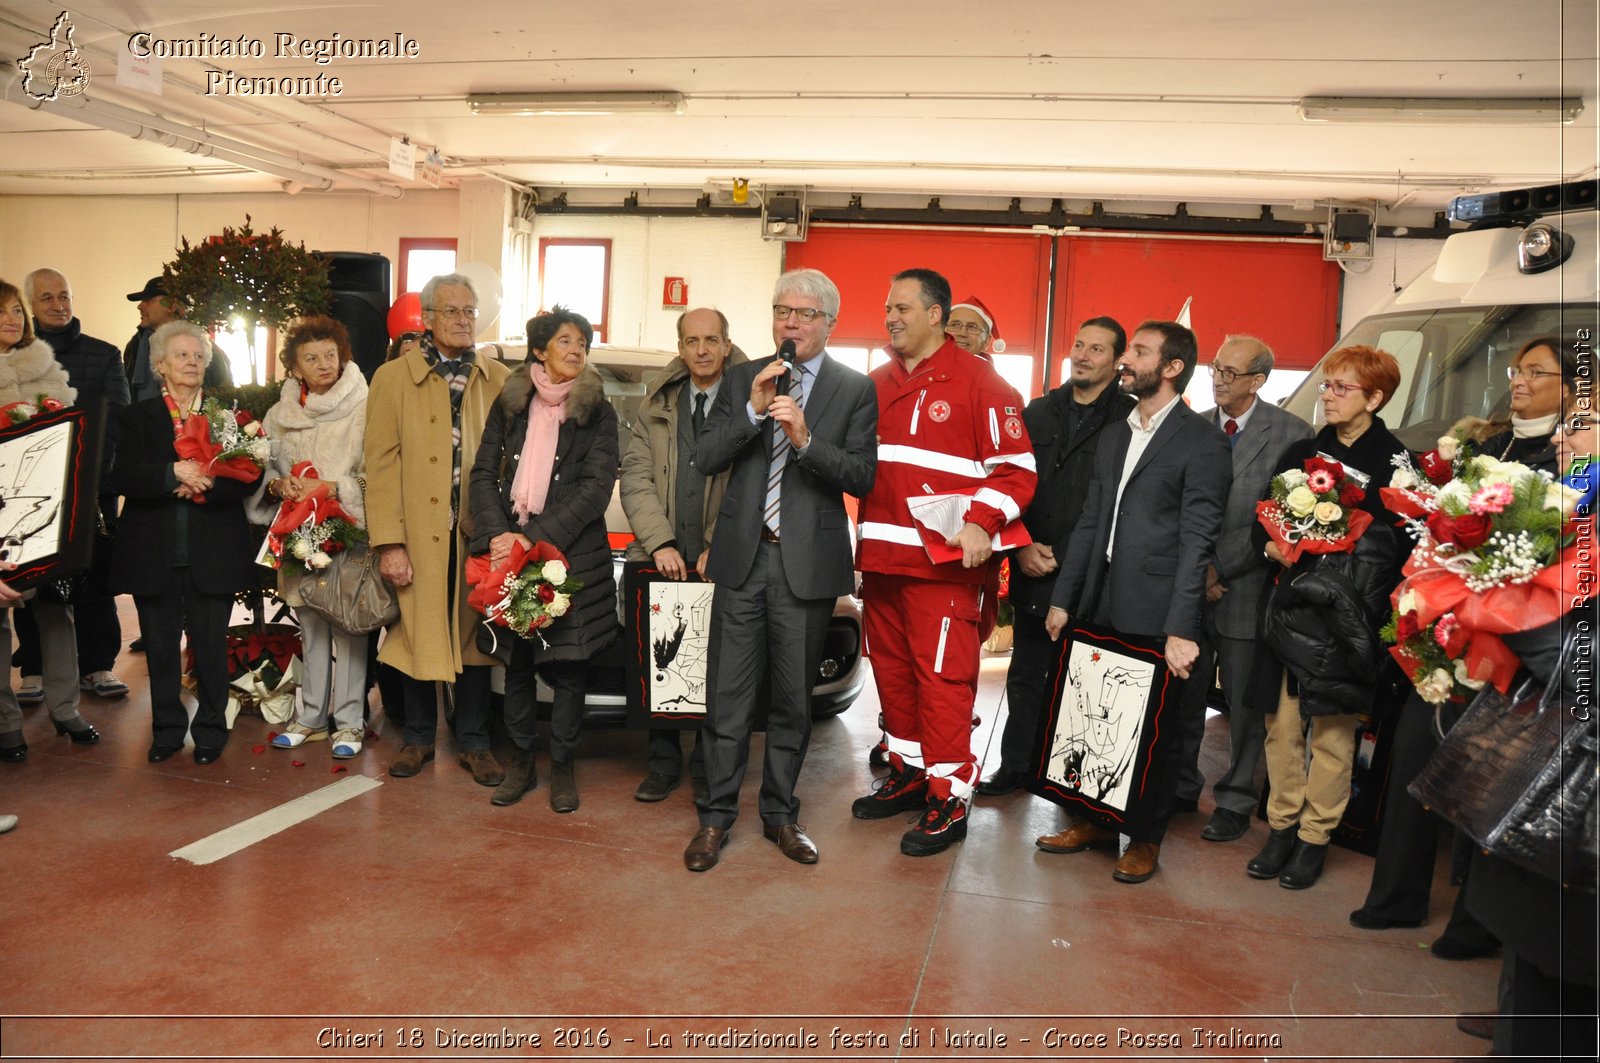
360, 284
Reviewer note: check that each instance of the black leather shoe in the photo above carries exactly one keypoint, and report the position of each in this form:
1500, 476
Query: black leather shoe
159, 753
1226, 825
1268, 863
656, 786
1448, 948
14, 754
1304, 866
206, 754
792, 842
1365, 920
1002, 782
85, 735
137, 645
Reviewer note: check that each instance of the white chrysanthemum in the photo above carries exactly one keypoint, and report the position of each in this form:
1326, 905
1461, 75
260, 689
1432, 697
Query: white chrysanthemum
1435, 688
319, 560
302, 549
1404, 478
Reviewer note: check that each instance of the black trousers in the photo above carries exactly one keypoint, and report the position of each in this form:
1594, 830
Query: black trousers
183, 610
666, 752
1547, 1018
1035, 670
568, 683
471, 689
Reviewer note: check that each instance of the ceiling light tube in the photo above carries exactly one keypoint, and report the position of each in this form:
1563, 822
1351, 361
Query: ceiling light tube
574, 103
1422, 110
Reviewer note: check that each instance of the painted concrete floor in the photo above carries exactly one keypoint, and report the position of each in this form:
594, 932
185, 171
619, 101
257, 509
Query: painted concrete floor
414, 920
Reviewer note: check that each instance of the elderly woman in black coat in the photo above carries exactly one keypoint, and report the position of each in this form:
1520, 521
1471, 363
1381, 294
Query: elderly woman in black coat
183, 546
544, 473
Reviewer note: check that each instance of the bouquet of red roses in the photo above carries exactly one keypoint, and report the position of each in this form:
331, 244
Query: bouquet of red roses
1312, 509
308, 532
526, 592
22, 412
226, 442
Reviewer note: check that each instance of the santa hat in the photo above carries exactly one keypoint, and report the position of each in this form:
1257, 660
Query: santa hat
973, 303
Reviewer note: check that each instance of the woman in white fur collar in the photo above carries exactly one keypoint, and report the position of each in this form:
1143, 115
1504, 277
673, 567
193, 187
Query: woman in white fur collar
320, 417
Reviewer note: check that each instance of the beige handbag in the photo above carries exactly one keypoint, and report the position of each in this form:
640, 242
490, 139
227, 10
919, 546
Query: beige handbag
349, 593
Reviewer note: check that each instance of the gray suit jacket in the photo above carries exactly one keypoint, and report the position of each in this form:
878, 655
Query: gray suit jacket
1166, 530
842, 458
1262, 441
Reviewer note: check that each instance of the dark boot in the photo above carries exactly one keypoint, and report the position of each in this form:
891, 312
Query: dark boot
1304, 866
521, 776
563, 786
1268, 863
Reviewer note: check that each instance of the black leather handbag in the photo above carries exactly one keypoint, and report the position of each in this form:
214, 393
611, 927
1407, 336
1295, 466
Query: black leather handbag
1518, 774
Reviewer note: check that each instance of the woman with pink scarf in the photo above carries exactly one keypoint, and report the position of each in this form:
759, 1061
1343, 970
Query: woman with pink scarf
544, 473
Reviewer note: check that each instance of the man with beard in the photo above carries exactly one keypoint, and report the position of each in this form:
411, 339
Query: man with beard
1137, 559
1066, 426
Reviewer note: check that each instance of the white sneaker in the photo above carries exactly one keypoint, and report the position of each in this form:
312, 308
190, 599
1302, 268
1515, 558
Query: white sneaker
31, 692
346, 744
296, 735
104, 684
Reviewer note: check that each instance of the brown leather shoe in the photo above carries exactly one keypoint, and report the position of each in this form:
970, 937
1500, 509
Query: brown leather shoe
704, 848
792, 841
486, 771
410, 760
1078, 835
1138, 863
1477, 1024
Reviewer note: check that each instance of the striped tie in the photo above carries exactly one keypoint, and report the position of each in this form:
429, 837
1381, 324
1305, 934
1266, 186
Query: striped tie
781, 448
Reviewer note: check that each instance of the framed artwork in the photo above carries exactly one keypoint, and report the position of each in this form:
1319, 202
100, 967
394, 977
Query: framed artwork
1113, 712
49, 476
667, 646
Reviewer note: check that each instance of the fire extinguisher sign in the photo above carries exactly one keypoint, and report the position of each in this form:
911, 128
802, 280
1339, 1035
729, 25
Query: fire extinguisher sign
675, 293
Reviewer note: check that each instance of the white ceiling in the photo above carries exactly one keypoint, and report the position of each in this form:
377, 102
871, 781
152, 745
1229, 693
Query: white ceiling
1136, 100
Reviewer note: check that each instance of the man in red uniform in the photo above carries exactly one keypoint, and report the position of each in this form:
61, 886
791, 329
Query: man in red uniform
947, 425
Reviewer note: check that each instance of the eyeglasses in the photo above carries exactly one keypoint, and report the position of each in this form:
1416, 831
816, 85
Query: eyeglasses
1530, 375
448, 312
969, 328
808, 314
1228, 376
1573, 425
1339, 388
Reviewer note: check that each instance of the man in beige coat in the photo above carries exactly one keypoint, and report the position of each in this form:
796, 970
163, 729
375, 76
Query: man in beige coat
671, 506
425, 415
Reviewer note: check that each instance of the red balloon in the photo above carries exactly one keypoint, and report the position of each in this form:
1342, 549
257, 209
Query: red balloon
406, 316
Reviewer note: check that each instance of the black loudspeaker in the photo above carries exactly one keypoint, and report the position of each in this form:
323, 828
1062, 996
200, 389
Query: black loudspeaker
360, 284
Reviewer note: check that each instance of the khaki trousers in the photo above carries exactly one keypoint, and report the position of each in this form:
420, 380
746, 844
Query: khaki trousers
1312, 794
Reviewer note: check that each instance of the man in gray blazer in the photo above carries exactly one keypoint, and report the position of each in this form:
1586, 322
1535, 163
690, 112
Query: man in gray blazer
1259, 433
798, 432
1137, 558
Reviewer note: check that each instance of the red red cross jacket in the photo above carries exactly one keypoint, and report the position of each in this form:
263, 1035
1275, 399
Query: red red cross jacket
952, 426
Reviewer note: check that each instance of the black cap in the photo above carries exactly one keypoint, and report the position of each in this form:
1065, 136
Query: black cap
153, 286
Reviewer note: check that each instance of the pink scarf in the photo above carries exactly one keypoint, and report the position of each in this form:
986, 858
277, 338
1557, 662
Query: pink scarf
545, 414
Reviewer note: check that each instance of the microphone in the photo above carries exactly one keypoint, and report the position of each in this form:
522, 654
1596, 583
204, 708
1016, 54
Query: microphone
786, 354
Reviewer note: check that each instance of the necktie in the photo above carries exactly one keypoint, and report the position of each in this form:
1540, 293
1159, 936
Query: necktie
699, 416
795, 387
1232, 428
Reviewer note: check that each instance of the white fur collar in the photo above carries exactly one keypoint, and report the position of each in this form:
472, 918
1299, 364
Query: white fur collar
348, 394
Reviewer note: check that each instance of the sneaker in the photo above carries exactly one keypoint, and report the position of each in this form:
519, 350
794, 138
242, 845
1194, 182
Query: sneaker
346, 744
103, 684
941, 825
31, 692
896, 792
297, 734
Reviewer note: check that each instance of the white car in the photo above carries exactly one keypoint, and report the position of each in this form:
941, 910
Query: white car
841, 675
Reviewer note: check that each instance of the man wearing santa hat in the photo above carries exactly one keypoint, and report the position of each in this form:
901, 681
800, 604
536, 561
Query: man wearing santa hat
972, 326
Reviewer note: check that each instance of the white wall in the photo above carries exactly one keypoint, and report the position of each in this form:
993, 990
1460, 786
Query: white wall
1394, 264
727, 264
109, 246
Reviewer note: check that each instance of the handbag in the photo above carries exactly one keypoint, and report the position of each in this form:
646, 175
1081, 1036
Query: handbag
349, 593
1518, 774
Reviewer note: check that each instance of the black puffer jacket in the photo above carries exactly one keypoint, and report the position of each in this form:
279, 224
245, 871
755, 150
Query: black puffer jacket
574, 517
1322, 617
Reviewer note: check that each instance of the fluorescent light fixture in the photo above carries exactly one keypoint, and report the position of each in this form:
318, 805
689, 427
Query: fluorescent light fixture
1481, 110
553, 103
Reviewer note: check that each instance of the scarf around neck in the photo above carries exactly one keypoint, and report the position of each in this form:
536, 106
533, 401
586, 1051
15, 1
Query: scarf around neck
1530, 427
546, 412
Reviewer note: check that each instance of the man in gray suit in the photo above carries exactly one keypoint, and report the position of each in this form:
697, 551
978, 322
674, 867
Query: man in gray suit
1259, 433
798, 432
1137, 558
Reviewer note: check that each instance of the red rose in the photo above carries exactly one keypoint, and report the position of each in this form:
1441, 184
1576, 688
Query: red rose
1332, 468
1406, 626
1350, 495
1468, 532
547, 593
1436, 469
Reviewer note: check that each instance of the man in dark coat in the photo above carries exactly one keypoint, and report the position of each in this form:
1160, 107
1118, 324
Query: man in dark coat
156, 308
1137, 559
93, 368
1066, 426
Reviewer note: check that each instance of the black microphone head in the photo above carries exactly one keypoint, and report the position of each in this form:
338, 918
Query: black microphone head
786, 350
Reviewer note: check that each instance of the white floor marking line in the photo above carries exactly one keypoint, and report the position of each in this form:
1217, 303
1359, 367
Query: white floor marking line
258, 828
